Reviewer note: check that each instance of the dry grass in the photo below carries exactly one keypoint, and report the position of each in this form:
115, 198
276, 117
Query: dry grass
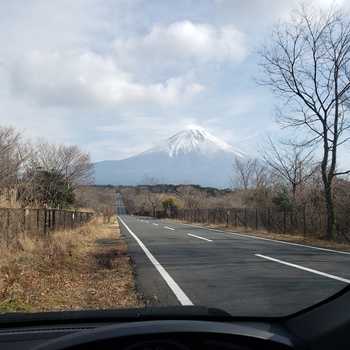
87, 268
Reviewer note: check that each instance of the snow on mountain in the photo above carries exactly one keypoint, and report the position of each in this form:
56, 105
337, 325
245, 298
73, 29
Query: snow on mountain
188, 157
197, 140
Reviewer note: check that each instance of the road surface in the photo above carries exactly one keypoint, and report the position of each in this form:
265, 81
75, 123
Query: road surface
120, 208
183, 264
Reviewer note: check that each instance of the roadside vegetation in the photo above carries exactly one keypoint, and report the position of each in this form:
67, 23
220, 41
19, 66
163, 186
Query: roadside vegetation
88, 268
50, 270
262, 190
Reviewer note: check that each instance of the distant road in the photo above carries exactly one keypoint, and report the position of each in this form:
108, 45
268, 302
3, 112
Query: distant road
246, 276
120, 205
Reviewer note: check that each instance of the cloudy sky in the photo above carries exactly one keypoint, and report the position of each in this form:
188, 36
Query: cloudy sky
117, 76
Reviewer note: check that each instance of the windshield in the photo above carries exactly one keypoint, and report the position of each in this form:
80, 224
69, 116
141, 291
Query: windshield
157, 153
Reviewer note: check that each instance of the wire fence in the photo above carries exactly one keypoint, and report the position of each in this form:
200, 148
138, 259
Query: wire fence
304, 220
38, 221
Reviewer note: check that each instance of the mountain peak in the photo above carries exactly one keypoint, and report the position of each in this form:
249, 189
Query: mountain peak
191, 156
194, 140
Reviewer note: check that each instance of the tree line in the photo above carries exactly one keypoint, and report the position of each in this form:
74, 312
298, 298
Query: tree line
40, 173
262, 189
274, 192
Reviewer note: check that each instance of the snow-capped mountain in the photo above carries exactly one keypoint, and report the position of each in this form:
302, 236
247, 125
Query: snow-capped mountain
189, 141
188, 157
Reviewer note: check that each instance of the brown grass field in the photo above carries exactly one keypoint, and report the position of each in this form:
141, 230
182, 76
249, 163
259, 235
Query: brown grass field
87, 268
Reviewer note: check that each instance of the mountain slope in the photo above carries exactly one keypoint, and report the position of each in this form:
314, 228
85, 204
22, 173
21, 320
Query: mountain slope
189, 141
188, 157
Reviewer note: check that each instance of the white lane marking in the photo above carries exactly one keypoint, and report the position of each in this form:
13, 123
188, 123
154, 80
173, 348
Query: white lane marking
305, 268
271, 240
155, 224
206, 239
169, 228
180, 295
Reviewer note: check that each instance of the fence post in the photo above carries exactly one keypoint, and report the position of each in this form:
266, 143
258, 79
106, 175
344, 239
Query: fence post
37, 220
24, 218
8, 218
304, 217
45, 221
60, 220
53, 219
50, 220
269, 219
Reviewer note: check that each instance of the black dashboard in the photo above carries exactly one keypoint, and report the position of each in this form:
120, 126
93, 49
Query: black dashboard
323, 326
153, 335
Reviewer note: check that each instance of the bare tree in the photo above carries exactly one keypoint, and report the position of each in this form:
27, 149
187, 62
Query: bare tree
53, 173
154, 192
14, 152
68, 160
12, 155
248, 174
307, 67
192, 198
294, 164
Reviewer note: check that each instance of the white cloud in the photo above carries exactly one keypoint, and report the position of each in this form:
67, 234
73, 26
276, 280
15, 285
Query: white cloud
107, 71
182, 42
81, 77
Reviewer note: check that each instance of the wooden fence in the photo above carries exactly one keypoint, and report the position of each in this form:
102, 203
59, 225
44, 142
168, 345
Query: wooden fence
305, 220
39, 221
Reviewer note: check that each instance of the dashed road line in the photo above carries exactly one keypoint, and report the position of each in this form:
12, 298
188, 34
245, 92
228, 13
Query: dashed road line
205, 239
271, 240
304, 268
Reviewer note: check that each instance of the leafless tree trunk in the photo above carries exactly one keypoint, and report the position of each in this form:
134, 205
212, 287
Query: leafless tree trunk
248, 173
52, 174
14, 152
294, 164
68, 160
307, 66
192, 197
154, 192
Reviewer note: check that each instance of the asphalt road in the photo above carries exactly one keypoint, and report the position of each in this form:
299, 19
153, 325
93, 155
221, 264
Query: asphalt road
120, 208
245, 276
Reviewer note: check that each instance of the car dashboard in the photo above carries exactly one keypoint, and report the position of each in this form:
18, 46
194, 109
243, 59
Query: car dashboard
151, 335
322, 326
